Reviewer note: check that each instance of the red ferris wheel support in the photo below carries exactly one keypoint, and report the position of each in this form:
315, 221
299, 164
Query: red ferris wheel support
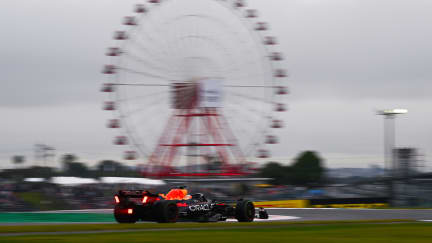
216, 136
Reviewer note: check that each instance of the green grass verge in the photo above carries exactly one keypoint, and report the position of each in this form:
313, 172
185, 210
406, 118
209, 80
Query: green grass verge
329, 233
104, 227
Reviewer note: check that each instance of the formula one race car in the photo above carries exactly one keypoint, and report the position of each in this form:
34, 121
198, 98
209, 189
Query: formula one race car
132, 206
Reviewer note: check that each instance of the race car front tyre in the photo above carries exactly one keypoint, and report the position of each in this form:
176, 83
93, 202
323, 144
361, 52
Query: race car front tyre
245, 211
122, 215
166, 212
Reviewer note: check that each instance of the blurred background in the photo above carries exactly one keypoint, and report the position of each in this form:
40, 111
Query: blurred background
350, 67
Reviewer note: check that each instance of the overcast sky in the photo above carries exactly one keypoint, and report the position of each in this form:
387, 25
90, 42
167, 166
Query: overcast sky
346, 58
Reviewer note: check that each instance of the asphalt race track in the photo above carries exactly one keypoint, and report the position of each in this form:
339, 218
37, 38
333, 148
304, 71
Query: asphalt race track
282, 214
310, 214
353, 214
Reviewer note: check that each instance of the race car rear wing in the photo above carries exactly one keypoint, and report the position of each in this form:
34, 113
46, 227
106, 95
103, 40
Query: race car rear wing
136, 193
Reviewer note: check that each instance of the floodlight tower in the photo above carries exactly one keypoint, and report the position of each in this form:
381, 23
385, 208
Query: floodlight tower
389, 145
389, 137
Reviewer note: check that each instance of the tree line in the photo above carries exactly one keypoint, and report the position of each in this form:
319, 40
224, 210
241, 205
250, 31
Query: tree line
72, 167
306, 170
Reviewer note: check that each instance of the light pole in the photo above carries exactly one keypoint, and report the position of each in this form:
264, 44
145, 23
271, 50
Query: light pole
43, 152
389, 144
389, 136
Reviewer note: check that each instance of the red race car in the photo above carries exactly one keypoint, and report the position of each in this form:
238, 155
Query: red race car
177, 205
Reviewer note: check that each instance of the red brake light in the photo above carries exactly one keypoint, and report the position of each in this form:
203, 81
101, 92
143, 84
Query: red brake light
130, 211
117, 199
145, 199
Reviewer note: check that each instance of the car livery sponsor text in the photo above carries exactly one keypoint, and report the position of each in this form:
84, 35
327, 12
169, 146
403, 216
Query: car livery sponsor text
200, 207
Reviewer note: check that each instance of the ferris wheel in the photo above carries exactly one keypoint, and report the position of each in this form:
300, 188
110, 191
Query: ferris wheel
196, 87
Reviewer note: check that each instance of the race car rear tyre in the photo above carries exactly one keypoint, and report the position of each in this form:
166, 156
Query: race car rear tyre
166, 212
245, 211
122, 217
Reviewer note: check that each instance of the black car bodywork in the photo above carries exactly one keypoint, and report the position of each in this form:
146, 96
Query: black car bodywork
139, 205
